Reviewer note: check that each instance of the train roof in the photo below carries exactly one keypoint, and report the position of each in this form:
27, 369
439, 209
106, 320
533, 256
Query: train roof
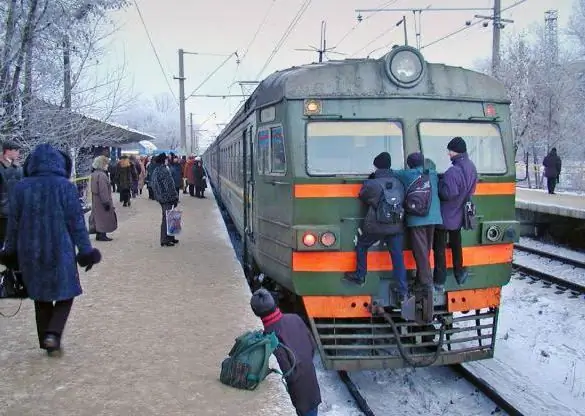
367, 78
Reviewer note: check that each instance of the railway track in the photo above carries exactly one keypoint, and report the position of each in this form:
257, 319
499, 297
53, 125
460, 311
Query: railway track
540, 275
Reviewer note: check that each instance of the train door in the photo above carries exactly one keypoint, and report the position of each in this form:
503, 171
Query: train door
250, 179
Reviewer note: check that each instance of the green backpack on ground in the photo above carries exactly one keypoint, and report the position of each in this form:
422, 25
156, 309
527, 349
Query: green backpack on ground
247, 364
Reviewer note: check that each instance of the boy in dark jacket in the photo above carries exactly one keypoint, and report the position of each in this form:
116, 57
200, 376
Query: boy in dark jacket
373, 231
290, 329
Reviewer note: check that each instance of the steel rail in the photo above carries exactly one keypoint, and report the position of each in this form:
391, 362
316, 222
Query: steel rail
488, 390
550, 255
355, 393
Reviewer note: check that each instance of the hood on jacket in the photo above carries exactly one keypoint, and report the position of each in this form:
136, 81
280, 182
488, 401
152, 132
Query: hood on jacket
45, 160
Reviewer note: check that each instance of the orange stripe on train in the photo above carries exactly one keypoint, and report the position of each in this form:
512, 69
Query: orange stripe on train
352, 190
345, 261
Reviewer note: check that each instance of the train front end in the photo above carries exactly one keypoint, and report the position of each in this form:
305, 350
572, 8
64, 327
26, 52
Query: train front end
399, 104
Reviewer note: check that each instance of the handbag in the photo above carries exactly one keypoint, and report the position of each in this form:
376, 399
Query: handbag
173, 222
11, 285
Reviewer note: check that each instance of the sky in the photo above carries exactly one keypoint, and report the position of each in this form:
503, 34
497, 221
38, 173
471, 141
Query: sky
223, 26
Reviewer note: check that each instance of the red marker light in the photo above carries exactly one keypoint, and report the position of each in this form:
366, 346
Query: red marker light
489, 110
328, 239
309, 240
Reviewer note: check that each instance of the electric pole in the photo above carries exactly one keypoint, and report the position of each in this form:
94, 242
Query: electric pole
497, 26
182, 115
191, 117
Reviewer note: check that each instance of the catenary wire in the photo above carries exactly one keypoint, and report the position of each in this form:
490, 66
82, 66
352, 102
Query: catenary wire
211, 74
387, 31
155, 52
285, 35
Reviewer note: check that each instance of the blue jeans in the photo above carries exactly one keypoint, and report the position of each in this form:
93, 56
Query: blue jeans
395, 245
310, 412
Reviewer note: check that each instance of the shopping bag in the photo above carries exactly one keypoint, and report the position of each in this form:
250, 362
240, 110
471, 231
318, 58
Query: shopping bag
174, 222
11, 285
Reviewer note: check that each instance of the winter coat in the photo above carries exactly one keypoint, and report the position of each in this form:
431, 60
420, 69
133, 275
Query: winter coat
188, 172
407, 177
101, 193
456, 186
552, 165
177, 174
199, 175
125, 174
149, 172
303, 386
45, 225
10, 174
370, 194
163, 186
112, 168
141, 175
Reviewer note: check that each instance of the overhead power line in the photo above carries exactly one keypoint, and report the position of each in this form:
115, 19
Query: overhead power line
213, 73
464, 28
384, 33
285, 35
155, 52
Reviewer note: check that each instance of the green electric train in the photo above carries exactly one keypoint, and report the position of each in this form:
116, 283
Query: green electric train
288, 168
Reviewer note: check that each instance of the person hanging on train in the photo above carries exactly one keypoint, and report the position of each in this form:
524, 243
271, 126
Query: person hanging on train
423, 214
384, 222
552, 170
302, 384
456, 186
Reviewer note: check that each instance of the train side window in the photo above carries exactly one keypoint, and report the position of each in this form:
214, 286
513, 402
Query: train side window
277, 154
263, 148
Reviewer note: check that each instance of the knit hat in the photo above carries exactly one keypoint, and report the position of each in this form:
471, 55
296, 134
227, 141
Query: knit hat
415, 160
457, 145
262, 303
383, 161
8, 145
160, 159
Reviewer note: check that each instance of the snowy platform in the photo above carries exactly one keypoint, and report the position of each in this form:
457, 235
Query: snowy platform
562, 204
150, 332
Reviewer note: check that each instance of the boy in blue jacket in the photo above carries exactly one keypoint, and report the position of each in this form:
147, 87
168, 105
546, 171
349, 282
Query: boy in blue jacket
421, 229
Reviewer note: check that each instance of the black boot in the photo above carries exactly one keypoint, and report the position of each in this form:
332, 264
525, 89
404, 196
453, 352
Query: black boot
354, 279
102, 237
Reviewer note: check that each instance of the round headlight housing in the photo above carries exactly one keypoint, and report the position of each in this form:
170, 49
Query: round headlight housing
404, 66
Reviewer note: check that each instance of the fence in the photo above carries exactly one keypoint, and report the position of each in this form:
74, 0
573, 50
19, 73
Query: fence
572, 176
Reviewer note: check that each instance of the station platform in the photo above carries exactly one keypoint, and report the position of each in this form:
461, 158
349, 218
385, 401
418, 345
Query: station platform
561, 204
149, 333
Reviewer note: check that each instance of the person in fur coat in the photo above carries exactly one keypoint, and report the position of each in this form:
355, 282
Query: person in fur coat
45, 226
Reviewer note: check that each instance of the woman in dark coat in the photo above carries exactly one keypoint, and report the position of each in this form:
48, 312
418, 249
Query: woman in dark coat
125, 174
45, 225
103, 215
552, 170
199, 176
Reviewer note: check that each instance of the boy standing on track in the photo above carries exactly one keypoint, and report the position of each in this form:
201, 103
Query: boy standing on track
291, 331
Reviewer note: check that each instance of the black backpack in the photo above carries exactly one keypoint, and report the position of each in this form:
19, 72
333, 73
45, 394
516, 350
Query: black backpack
418, 196
390, 206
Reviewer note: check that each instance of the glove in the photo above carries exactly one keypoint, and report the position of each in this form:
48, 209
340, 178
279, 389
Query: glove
10, 260
88, 260
175, 203
107, 206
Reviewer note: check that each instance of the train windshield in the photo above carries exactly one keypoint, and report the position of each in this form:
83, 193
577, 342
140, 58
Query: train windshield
349, 147
484, 144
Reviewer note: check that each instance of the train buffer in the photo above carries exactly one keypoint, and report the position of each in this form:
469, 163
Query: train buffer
149, 333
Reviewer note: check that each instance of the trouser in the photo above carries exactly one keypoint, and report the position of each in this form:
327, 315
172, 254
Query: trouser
51, 318
124, 195
3, 227
113, 186
395, 244
199, 191
178, 191
164, 238
134, 189
150, 192
192, 189
551, 183
421, 239
439, 248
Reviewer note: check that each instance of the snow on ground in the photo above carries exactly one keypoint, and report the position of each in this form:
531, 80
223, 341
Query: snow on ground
556, 268
561, 251
540, 335
336, 400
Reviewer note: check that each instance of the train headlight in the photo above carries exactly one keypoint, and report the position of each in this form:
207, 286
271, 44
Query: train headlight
405, 66
328, 239
312, 107
309, 239
493, 233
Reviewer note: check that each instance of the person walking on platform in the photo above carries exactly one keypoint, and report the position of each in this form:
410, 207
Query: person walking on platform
189, 174
112, 168
45, 226
165, 192
150, 168
424, 181
552, 170
176, 171
10, 174
125, 174
142, 174
199, 177
456, 186
302, 384
103, 215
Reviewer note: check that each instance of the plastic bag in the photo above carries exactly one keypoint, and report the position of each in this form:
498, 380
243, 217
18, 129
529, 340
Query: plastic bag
174, 222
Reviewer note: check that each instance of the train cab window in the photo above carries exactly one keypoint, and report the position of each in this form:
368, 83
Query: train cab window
277, 155
263, 149
349, 148
484, 144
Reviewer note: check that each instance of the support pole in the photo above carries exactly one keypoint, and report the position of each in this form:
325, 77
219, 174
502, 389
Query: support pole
191, 123
405, 31
182, 115
497, 26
